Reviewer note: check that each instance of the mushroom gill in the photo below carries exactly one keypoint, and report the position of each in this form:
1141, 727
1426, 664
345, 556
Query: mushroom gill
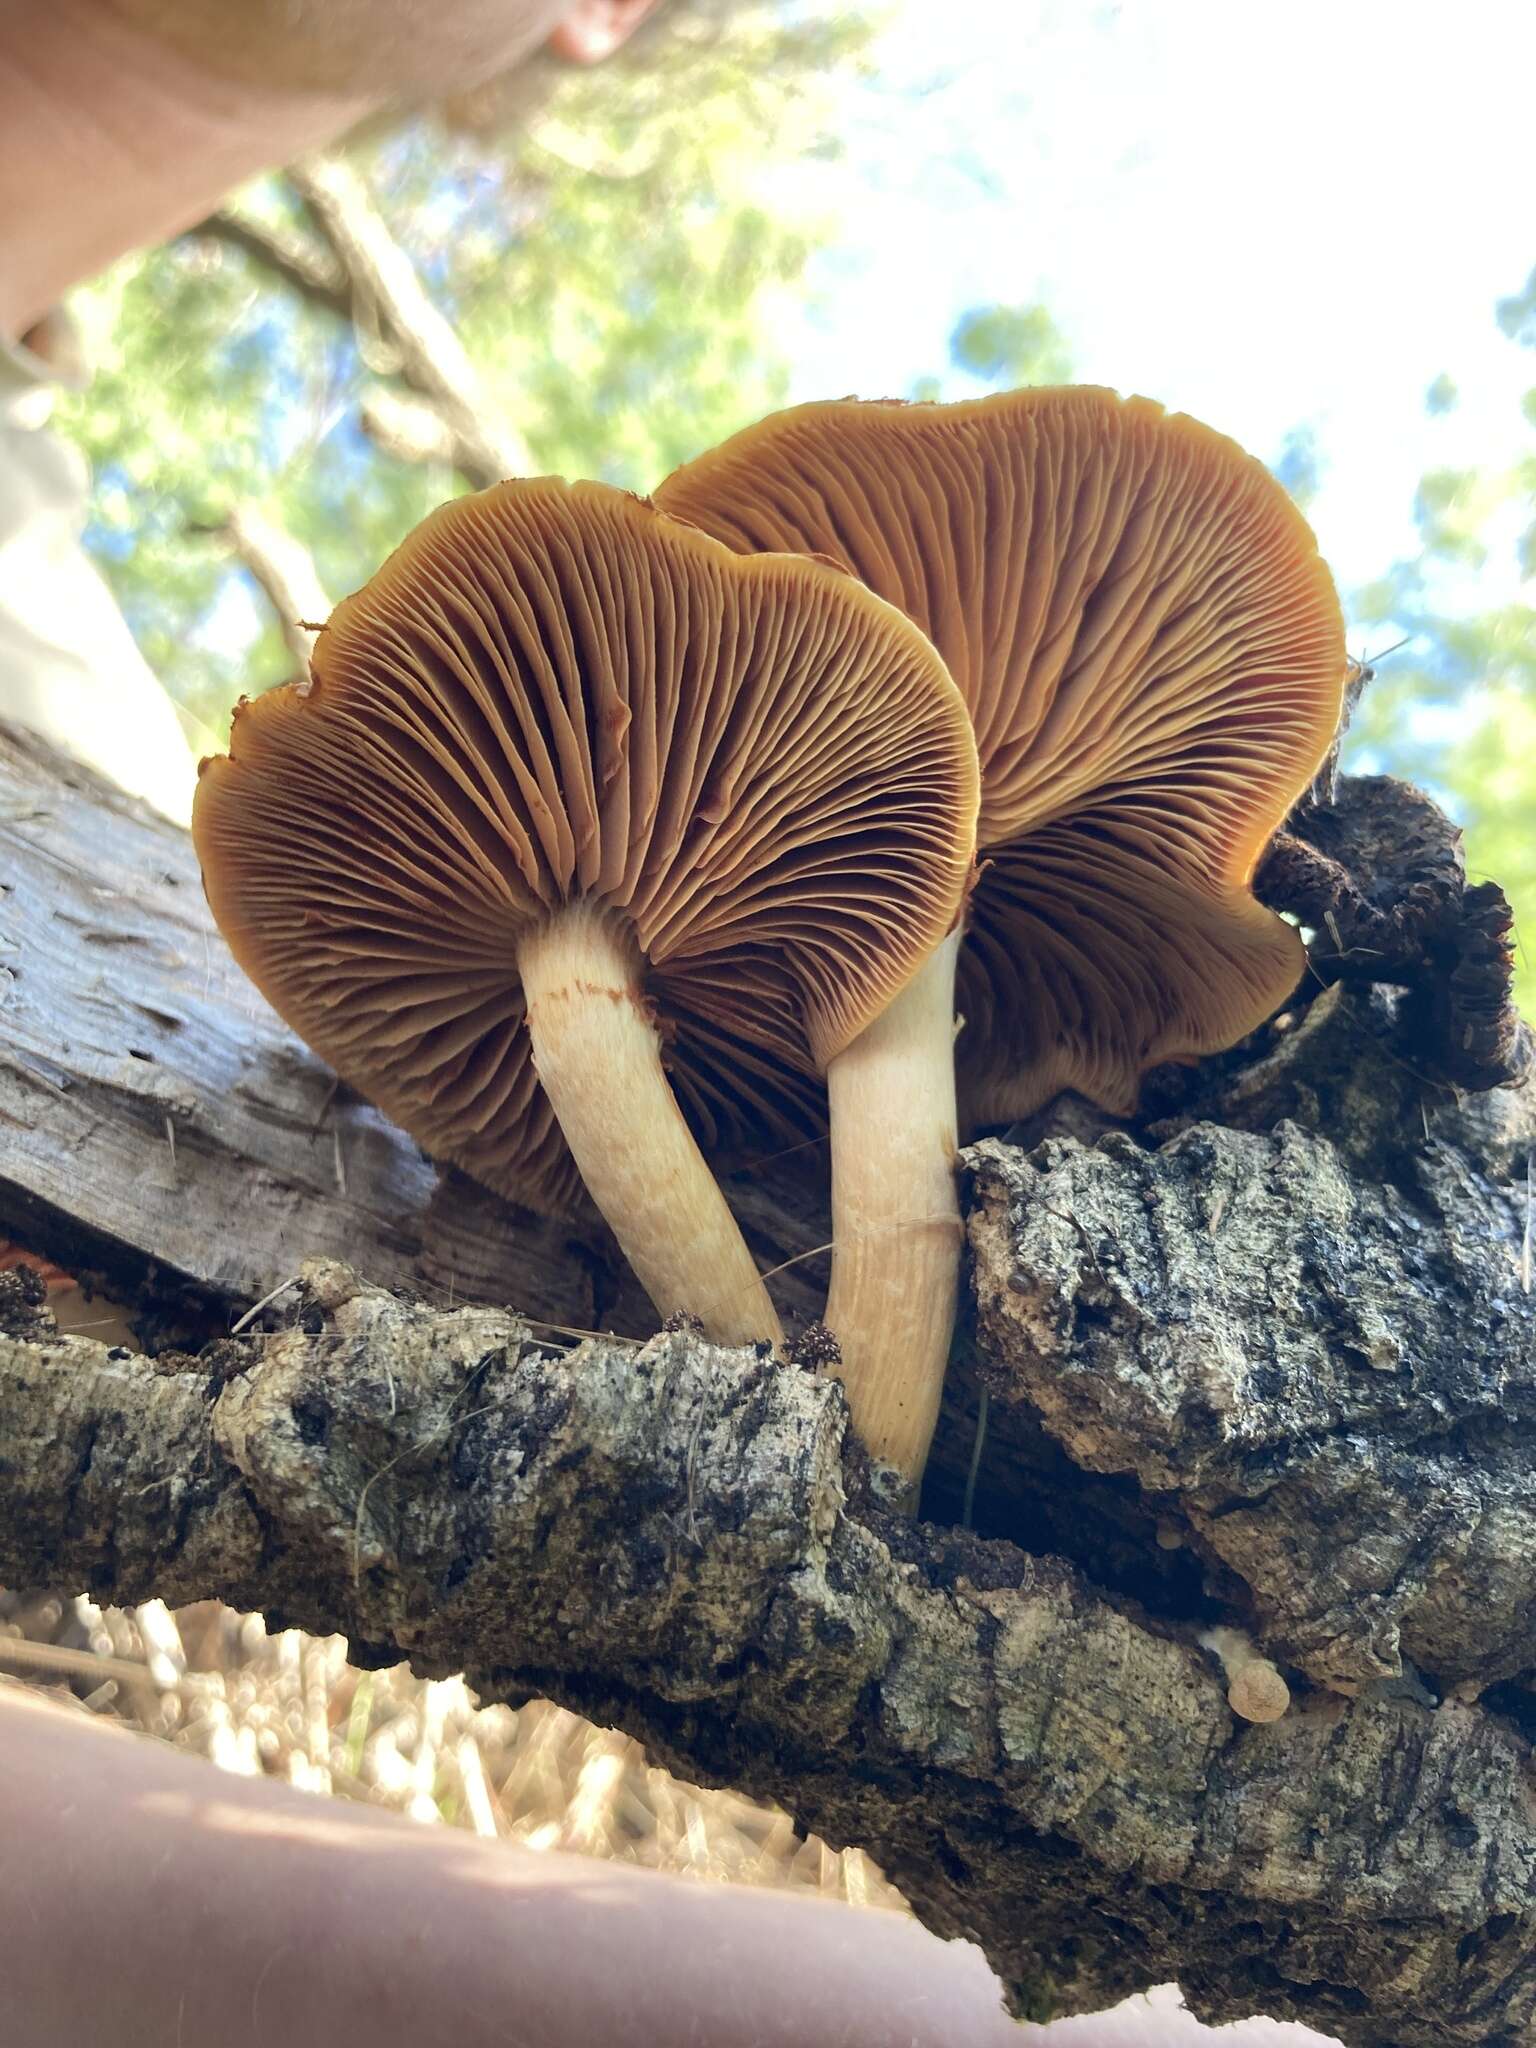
577, 790
1152, 653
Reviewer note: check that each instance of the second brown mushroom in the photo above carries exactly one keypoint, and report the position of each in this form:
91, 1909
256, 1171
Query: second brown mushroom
1152, 653
579, 796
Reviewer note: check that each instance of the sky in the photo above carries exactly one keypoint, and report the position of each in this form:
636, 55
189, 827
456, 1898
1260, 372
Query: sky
1270, 217
1273, 218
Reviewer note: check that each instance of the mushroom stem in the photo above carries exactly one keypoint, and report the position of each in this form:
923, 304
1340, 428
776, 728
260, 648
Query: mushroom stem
598, 1056
896, 1216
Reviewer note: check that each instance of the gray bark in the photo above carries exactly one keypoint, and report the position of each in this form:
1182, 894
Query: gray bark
1263, 1358
1301, 1321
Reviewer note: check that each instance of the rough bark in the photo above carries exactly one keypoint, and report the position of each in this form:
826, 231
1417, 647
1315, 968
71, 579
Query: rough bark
1381, 880
664, 1536
1264, 1357
1301, 1322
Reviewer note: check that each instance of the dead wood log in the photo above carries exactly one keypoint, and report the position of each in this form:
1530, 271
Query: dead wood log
1265, 1358
667, 1537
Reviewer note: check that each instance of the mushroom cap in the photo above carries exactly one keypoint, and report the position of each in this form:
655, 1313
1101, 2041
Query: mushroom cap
553, 693
1153, 655
1258, 1692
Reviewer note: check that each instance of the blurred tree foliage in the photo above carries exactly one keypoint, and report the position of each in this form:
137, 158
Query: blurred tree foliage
1000, 347
612, 252
1010, 345
607, 245
1457, 710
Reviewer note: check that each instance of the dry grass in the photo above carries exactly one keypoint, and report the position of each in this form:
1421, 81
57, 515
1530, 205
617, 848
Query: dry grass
289, 1706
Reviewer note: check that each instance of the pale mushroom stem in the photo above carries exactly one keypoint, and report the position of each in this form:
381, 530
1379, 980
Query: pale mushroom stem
896, 1215
598, 1056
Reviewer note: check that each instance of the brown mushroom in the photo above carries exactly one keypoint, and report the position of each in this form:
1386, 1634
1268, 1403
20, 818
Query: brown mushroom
1153, 656
1256, 1688
571, 778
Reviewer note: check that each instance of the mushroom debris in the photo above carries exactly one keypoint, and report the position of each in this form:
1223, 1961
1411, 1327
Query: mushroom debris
577, 797
1256, 1689
1152, 652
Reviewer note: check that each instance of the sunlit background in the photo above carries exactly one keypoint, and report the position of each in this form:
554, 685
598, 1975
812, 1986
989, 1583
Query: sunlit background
1311, 229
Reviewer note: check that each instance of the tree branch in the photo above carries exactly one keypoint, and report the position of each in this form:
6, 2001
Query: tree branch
1262, 1358
432, 358
309, 267
358, 270
283, 570
410, 429
668, 1536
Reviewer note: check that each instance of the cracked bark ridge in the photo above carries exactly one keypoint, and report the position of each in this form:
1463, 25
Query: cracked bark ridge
669, 1537
1299, 1318
1379, 876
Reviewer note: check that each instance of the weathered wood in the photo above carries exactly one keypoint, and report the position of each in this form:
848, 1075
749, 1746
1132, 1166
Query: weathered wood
163, 1128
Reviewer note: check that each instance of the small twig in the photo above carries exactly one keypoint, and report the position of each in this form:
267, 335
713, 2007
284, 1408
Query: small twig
283, 570
783, 1266
968, 1504
252, 1313
1062, 1216
330, 1097
569, 1330
80, 1663
761, 1159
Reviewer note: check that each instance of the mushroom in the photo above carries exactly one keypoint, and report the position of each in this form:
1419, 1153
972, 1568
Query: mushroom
1256, 1690
577, 793
1153, 656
